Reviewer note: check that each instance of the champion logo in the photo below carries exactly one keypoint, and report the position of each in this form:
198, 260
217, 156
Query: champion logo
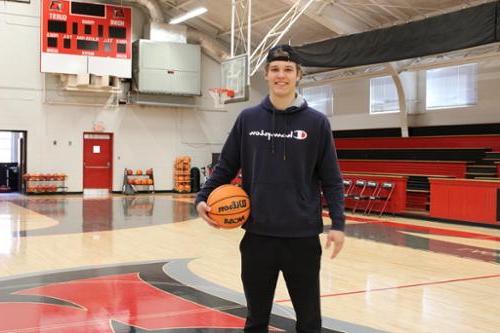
299, 134
295, 134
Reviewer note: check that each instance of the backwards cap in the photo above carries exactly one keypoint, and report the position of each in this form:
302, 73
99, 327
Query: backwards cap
282, 52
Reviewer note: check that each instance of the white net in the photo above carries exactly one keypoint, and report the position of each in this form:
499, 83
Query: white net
220, 96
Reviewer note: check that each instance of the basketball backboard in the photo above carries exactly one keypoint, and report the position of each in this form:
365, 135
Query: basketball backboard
235, 77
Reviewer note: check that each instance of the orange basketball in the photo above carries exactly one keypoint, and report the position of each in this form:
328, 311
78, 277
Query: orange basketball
230, 206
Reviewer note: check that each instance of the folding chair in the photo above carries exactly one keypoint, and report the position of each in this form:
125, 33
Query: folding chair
357, 186
381, 196
348, 185
368, 190
347, 189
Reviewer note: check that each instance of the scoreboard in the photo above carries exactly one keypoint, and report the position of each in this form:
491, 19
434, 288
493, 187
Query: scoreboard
85, 38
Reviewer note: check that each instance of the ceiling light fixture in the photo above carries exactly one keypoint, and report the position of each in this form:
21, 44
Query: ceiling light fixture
190, 14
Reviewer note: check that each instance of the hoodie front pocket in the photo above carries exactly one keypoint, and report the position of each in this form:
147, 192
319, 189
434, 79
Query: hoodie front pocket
281, 205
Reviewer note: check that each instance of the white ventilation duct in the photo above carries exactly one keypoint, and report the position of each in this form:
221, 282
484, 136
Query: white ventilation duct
209, 45
154, 10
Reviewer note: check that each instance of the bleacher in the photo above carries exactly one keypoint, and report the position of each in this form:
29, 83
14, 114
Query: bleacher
419, 154
417, 171
423, 158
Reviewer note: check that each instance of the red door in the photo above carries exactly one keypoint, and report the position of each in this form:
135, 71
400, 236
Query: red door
97, 160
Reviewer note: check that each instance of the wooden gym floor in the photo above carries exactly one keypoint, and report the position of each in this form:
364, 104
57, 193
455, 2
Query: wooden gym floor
148, 264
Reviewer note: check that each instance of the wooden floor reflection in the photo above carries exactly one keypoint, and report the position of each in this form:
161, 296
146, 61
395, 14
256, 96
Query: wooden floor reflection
132, 263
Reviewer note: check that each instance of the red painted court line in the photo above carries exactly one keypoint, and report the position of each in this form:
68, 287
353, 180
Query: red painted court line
431, 230
403, 286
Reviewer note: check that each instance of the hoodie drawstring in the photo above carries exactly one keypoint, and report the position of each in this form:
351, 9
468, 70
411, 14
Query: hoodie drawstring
274, 129
298, 105
284, 139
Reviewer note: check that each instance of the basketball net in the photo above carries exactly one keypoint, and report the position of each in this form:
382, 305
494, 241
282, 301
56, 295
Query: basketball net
220, 96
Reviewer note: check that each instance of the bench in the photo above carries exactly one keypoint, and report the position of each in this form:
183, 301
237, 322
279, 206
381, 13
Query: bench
422, 154
415, 168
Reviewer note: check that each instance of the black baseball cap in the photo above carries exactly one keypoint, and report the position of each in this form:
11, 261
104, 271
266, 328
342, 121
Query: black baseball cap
282, 52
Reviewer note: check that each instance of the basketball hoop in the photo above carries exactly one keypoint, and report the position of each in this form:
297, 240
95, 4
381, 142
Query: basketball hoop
220, 96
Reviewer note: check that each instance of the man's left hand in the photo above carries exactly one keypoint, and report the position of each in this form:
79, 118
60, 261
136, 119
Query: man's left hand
337, 238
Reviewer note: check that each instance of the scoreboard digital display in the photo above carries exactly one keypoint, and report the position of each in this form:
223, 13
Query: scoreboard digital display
75, 28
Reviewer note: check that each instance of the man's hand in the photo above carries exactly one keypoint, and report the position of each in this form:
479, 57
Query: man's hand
202, 208
337, 237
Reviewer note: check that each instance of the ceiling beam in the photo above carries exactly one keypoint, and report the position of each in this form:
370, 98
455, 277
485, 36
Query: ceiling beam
262, 19
416, 9
394, 12
176, 5
363, 18
178, 9
320, 18
386, 5
437, 12
320, 8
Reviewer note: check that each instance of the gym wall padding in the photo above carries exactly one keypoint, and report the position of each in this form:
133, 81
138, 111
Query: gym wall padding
462, 29
444, 130
498, 22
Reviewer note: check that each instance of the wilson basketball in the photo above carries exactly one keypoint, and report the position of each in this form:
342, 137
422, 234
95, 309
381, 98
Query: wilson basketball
230, 206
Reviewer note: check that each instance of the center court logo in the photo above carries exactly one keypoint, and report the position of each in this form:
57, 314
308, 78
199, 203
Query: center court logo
87, 298
295, 134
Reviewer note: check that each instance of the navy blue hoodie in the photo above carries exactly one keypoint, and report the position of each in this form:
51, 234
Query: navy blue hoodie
286, 158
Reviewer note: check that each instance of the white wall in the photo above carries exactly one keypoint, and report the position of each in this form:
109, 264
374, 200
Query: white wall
352, 98
351, 107
485, 111
149, 136
144, 137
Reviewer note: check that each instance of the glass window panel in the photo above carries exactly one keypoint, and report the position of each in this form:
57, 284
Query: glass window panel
453, 86
319, 98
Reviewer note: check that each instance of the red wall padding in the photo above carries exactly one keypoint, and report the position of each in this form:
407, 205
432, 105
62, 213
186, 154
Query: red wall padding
458, 141
464, 200
455, 169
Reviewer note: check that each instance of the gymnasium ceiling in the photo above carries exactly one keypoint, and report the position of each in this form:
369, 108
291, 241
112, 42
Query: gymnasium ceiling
324, 19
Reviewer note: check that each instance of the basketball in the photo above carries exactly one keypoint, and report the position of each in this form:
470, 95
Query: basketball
230, 206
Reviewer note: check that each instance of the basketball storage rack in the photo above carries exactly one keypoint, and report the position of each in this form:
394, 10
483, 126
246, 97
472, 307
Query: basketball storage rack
138, 181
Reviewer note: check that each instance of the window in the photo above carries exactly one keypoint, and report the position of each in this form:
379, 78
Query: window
319, 98
5, 147
450, 87
383, 95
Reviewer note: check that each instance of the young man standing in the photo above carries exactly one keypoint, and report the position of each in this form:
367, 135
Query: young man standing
286, 153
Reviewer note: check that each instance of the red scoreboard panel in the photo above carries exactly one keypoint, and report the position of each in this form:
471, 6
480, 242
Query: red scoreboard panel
85, 30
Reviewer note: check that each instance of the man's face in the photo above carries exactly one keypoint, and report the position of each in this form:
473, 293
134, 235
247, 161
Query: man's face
282, 77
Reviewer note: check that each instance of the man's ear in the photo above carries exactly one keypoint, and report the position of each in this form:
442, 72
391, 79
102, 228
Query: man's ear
299, 76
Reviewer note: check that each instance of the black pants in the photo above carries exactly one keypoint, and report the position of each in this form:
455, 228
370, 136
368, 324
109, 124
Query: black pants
262, 258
